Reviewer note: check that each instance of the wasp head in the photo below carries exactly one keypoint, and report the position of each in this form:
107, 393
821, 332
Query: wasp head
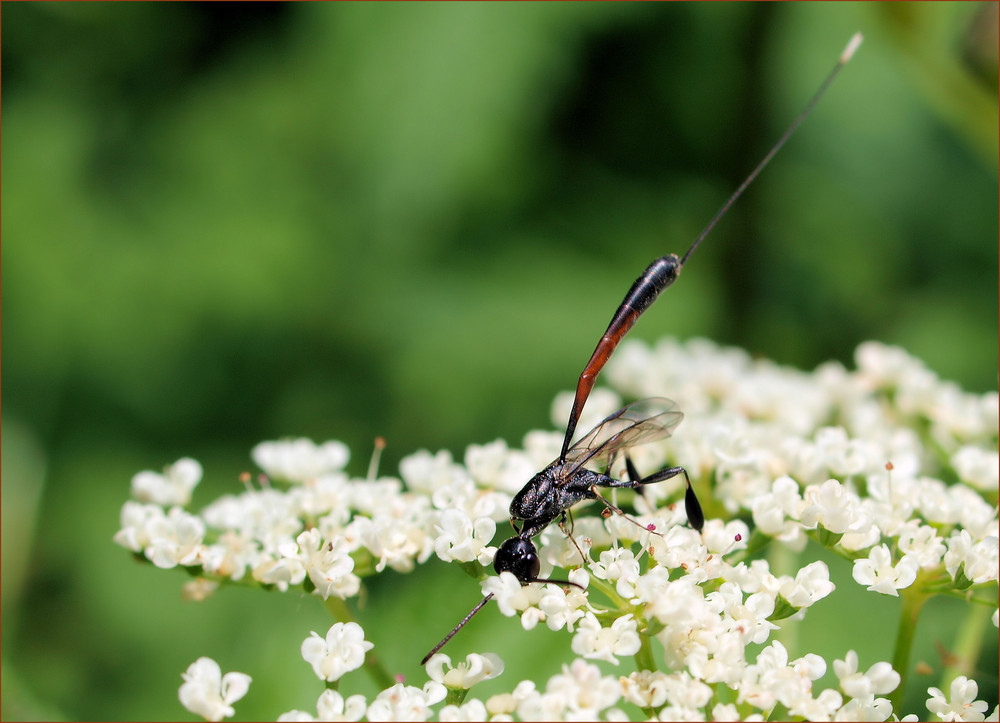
519, 556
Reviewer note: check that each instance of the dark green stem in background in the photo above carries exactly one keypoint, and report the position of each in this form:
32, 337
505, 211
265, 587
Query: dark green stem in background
968, 645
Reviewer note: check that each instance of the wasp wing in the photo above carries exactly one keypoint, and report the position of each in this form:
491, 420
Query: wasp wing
638, 423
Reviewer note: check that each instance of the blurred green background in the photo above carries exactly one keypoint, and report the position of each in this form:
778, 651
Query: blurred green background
226, 223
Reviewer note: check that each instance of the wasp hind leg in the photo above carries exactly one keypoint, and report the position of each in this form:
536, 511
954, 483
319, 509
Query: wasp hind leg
692, 507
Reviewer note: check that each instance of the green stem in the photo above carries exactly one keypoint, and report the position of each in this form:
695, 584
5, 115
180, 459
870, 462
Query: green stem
341, 613
609, 592
644, 658
913, 601
782, 561
967, 645
456, 696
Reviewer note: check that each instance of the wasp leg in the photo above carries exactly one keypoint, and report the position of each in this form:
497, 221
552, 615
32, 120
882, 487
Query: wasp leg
691, 505
611, 508
633, 474
569, 533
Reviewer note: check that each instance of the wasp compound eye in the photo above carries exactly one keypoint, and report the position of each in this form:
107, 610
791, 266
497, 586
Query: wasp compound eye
518, 556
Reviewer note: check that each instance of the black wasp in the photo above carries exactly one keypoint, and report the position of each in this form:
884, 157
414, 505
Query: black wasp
552, 492
566, 481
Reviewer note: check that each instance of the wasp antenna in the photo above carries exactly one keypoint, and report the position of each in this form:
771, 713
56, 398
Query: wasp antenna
458, 627
852, 46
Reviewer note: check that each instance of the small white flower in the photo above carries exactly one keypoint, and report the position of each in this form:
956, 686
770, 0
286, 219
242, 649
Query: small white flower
921, 543
757, 577
963, 705
771, 520
175, 539
881, 365
810, 665
331, 706
618, 565
978, 467
485, 461
729, 712
564, 605
494, 465
513, 598
265, 515
283, 571
772, 679
424, 472
979, 561
678, 547
975, 514
328, 564
822, 707
580, 690
463, 676
934, 501
714, 656
137, 520
558, 550
811, 584
594, 642
686, 692
749, 618
679, 604
879, 680
880, 575
298, 460
296, 716
866, 708
210, 694
645, 688
831, 506
395, 541
341, 651
327, 496
463, 540
472, 710
231, 555
404, 702
173, 487
500, 707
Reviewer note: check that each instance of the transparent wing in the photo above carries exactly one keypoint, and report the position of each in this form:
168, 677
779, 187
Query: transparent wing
638, 423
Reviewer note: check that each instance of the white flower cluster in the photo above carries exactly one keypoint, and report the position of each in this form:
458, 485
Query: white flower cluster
888, 466
888, 461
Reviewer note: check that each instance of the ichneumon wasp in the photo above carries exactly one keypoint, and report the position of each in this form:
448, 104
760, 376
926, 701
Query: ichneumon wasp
566, 481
